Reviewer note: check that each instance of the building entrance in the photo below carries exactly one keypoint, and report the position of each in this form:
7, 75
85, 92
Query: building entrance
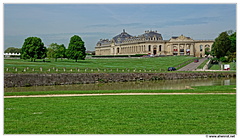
154, 51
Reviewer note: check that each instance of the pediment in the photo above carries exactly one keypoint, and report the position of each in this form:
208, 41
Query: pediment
181, 38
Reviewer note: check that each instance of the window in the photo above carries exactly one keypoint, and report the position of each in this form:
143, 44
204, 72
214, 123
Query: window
201, 47
149, 48
160, 47
118, 50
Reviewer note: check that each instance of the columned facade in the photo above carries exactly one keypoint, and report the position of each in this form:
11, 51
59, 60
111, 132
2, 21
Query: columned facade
152, 43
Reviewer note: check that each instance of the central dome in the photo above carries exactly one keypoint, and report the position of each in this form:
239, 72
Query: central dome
119, 38
151, 34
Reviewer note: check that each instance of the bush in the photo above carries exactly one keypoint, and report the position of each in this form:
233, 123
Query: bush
223, 59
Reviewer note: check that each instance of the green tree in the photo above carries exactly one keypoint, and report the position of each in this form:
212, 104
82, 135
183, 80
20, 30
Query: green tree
207, 51
56, 51
33, 48
76, 49
61, 51
232, 51
13, 50
232, 38
221, 45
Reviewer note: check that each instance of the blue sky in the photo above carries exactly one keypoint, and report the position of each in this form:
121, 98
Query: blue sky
57, 23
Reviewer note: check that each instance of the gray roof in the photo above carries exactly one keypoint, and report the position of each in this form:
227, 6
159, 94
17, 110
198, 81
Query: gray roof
103, 41
150, 34
125, 36
121, 37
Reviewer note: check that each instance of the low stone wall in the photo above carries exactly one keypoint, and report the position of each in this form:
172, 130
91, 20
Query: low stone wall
23, 80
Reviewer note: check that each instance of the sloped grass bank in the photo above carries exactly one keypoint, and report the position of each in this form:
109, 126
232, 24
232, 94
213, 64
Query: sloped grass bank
195, 89
156, 64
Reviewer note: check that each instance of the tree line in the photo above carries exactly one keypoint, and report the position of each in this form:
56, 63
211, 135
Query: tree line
33, 48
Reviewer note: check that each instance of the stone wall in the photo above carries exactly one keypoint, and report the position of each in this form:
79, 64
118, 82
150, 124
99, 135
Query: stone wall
23, 80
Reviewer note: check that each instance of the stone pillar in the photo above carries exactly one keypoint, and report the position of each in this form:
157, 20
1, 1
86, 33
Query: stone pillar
178, 49
185, 48
192, 50
163, 49
203, 51
170, 49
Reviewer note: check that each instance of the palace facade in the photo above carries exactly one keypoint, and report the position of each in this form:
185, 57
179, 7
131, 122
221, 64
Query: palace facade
152, 43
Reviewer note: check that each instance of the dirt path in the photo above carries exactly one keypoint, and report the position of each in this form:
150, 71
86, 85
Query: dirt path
103, 94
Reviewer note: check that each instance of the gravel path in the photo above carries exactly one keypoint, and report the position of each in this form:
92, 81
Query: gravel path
103, 94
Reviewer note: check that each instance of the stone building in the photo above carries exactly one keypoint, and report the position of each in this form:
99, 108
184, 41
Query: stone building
152, 43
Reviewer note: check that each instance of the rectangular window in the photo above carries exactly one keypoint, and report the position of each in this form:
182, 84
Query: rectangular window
149, 48
160, 48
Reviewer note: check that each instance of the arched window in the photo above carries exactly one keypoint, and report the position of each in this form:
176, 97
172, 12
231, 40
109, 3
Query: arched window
149, 48
201, 47
118, 50
160, 47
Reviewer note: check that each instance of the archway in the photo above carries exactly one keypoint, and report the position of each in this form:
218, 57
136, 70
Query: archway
154, 51
118, 51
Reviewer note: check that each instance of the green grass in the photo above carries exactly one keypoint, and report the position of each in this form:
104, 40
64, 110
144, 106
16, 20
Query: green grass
218, 67
215, 67
196, 89
232, 65
158, 64
202, 65
162, 114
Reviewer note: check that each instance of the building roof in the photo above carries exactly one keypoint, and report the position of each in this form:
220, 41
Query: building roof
121, 37
181, 38
103, 42
150, 34
124, 36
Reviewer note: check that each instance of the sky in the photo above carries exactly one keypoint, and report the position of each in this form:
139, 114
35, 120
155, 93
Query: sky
57, 23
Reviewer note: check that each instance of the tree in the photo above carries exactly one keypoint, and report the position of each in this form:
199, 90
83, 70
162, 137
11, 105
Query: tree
56, 51
61, 51
207, 51
221, 45
76, 49
224, 47
232, 38
33, 48
12, 50
232, 51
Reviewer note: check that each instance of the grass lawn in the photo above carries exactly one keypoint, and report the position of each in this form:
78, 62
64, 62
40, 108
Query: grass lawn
162, 114
215, 67
218, 67
202, 65
196, 89
157, 64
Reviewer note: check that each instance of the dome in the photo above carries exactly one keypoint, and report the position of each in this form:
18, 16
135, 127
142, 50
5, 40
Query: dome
151, 34
103, 42
119, 38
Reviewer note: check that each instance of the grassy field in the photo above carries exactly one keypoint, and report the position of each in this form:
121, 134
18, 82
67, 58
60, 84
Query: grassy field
195, 89
146, 114
149, 114
157, 64
162, 114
